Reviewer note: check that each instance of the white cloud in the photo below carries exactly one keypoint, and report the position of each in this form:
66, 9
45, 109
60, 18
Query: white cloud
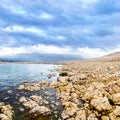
71, 6
58, 38
50, 49
32, 30
46, 16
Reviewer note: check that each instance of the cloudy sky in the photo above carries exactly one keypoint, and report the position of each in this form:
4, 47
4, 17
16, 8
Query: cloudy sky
88, 28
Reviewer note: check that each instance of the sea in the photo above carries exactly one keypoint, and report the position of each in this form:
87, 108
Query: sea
12, 74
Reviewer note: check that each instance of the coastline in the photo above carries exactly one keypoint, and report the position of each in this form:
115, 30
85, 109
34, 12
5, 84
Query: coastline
90, 90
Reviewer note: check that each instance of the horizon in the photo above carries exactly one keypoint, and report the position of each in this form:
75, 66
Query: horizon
84, 28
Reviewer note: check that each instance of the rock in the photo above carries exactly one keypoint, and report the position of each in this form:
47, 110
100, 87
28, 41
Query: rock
71, 118
21, 87
94, 91
49, 76
80, 115
22, 99
117, 111
44, 83
29, 104
105, 118
82, 77
4, 117
37, 99
6, 112
44, 102
92, 117
49, 94
62, 79
54, 84
70, 110
101, 104
113, 116
77, 78
113, 87
40, 110
116, 98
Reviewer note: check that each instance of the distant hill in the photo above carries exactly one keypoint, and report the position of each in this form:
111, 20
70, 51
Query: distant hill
35, 57
110, 57
115, 54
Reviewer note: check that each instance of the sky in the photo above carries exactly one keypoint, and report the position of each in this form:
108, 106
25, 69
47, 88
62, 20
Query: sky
89, 28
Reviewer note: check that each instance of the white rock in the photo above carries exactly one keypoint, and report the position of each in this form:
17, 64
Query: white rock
117, 111
116, 98
101, 104
22, 99
40, 110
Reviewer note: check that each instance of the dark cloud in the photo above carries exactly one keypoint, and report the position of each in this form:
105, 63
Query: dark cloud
80, 23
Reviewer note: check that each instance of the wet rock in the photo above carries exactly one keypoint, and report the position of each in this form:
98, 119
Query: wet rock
29, 104
22, 99
40, 110
4, 117
6, 112
49, 76
21, 87
44, 102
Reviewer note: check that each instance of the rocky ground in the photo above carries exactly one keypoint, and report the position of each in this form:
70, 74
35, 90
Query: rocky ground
89, 91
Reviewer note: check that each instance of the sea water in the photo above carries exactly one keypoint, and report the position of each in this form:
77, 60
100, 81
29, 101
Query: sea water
14, 74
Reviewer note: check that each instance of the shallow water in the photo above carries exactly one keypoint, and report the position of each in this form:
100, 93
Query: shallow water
14, 74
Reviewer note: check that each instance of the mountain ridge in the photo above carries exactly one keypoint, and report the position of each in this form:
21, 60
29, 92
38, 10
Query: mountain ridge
36, 57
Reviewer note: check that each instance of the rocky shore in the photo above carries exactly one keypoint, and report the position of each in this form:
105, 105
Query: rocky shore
88, 91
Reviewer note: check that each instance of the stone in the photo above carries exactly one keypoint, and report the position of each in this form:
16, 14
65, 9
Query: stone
4, 117
105, 118
44, 83
21, 87
6, 112
117, 111
101, 104
37, 99
80, 115
116, 98
113, 87
40, 110
71, 119
62, 79
70, 110
54, 84
49, 76
112, 116
94, 91
30, 104
22, 99
92, 117
82, 77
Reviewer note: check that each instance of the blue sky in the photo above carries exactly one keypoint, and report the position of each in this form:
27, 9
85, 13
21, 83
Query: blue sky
88, 28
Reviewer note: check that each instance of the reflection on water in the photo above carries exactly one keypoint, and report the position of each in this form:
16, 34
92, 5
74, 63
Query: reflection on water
14, 74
